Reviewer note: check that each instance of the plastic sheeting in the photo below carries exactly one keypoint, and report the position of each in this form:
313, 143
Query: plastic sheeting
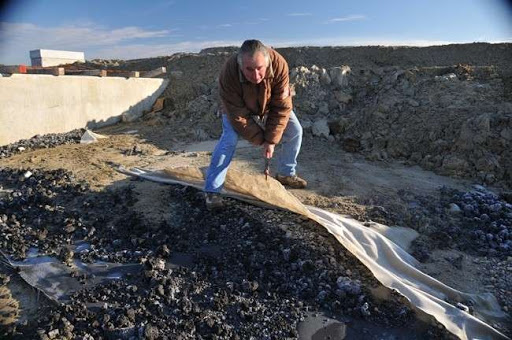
55, 280
90, 137
388, 262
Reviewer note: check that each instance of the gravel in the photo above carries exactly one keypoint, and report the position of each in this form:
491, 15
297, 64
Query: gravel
41, 142
251, 271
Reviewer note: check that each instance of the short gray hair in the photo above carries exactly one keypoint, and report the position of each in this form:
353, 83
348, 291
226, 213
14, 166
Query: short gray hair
251, 47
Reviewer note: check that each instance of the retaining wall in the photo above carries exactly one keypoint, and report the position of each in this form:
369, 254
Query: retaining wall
33, 104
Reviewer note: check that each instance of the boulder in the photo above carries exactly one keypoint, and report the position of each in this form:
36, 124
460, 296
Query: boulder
506, 133
324, 78
454, 165
342, 97
323, 109
320, 128
339, 76
351, 144
338, 126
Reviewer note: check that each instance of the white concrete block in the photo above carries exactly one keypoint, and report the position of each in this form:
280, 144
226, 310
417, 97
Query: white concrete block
54, 57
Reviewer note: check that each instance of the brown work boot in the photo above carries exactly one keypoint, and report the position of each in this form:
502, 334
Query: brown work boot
213, 201
294, 182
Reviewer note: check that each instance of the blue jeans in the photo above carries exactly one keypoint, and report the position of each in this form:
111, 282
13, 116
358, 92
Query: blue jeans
225, 149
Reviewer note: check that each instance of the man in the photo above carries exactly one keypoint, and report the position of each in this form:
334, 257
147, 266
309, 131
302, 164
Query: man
256, 103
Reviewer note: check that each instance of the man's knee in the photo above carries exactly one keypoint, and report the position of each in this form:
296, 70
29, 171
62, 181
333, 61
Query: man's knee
229, 140
295, 129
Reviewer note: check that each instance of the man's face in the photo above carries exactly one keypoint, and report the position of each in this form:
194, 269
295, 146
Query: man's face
254, 67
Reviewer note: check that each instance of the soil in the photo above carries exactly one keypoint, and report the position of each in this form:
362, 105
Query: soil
366, 190
249, 272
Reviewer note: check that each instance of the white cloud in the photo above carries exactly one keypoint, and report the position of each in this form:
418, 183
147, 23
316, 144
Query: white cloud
17, 39
79, 36
298, 14
347, 18
225, 25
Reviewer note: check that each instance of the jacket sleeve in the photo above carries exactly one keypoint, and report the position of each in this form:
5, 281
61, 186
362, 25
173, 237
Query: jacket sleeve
280, 103
230, 91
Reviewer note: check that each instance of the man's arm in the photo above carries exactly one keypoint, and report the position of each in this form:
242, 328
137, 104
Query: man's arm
280, 102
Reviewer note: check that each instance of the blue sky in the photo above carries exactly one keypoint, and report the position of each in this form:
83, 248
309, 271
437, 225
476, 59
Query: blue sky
138, 29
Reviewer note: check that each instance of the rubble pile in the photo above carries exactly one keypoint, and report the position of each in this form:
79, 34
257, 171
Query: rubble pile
41, 142
236, 283
479, 222
455, 119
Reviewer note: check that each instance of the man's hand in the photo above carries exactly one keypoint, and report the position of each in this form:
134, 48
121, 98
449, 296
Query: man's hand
268, 150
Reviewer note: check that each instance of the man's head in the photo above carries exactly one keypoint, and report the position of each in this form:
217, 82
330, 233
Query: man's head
253, 59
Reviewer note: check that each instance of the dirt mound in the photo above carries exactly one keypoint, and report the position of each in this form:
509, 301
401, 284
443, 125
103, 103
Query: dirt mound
453, 120
446, 108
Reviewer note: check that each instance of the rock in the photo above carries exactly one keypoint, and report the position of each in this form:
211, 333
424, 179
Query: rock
454, 208
306, 125
200, 105
201, 135
454, 165
365, 309
479, 188
397, 75
322, 295
338, 127
324, 78
342, 97
351, 144
176, 74
339, 76
506, 133
53, 334
413, 102
447, 77
321, 128
346, 285
151, 332
323, 109
487, 164
286, 254
474, 131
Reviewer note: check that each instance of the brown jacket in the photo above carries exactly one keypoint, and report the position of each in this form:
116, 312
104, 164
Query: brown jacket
242, 99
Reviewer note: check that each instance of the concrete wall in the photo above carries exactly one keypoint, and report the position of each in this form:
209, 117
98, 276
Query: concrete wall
55, 57
34, 104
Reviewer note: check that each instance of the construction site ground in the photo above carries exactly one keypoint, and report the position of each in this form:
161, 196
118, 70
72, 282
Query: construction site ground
407, 138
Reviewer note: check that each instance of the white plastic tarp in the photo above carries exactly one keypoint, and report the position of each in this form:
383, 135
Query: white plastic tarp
388, 262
